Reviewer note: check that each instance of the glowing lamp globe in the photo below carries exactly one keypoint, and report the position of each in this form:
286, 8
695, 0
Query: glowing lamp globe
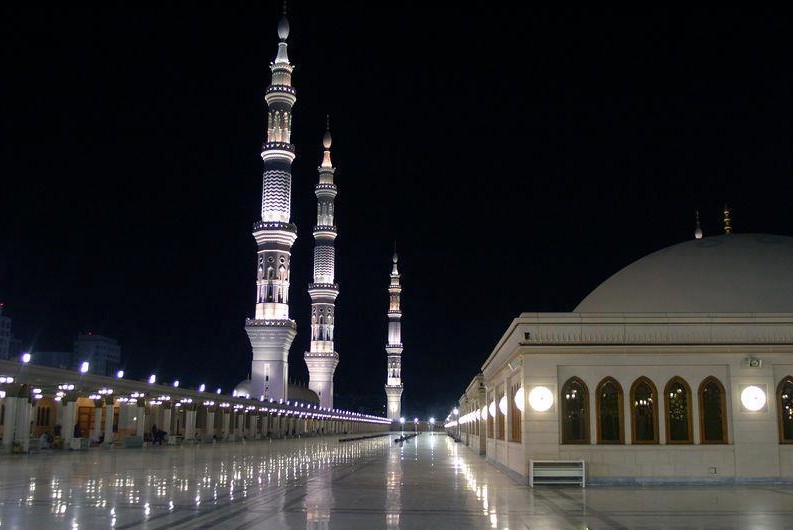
492, 409
540, 399
753, 398
502, 405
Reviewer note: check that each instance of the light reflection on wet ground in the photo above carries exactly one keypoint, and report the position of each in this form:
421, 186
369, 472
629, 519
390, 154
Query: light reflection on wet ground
319, 483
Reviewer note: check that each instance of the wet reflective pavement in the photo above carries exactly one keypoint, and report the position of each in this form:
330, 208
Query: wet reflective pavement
319, 483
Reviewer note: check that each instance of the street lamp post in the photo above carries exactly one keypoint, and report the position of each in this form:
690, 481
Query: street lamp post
456, 413
416, 424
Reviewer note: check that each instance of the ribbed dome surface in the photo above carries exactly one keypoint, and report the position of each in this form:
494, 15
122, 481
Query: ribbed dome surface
736, 273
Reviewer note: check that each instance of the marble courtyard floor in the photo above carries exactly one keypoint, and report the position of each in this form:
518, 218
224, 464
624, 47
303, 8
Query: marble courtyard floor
319, 483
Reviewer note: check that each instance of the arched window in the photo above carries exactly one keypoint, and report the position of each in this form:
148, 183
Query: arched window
610, 423
712, 411
677, 396
491, 409
499, 417
644, 412
575, 412
784, 397
515, 415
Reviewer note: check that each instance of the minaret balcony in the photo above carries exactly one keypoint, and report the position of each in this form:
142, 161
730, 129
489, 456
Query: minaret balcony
321, 355
325, 191
280, 94
325, 231
273, 151
289, 323
274, 232
281, 88
278, 146
274, 225
326, 291
395, 312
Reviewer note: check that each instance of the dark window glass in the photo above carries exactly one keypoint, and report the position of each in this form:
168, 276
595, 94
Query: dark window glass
610, 412
785, 405
575, 412
713, 412
678, 406
644, 413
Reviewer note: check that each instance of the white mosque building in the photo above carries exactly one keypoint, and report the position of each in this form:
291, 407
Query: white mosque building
678, 368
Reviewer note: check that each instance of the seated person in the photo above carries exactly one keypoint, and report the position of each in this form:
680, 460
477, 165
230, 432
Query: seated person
44, 441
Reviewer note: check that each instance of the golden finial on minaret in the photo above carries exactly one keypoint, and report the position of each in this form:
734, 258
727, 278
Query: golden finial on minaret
727, 225
698, 229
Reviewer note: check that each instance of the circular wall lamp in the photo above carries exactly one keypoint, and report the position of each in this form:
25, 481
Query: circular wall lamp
540, 398
753, 398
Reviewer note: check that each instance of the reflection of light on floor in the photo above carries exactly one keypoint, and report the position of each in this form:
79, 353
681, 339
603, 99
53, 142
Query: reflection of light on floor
479, 490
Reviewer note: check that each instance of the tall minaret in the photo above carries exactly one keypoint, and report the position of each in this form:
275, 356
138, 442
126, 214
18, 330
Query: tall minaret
393, 386
271, 331
322, 359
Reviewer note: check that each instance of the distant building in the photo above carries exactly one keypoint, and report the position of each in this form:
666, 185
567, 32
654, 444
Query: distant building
102, 353
55, 359
5, 335
14, 348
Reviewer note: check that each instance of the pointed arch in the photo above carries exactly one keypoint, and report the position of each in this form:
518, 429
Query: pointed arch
677, 412
575, 412
712, 411
784, 406
644, 411
609, 405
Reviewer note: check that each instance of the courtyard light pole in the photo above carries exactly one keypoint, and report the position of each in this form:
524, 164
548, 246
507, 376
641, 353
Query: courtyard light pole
456, 413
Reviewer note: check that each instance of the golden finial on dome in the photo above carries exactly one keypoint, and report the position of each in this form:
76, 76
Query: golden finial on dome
727, 222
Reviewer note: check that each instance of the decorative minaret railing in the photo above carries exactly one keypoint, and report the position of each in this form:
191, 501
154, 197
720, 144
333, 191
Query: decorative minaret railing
271, 331
322, 359
393, 386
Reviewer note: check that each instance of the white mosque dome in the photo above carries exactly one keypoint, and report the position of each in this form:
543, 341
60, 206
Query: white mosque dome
734, 273
243, 389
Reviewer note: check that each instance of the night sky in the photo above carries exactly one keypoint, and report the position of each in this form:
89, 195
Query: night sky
518, 158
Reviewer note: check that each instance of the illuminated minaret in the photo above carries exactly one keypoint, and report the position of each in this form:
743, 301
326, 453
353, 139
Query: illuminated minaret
271, 331
322, 359
393, 386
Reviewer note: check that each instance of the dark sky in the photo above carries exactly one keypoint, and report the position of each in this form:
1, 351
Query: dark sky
519, 158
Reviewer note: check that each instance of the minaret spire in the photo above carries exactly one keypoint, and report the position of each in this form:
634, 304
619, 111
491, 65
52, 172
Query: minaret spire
271, 331
698, 229
393, 386
727, 221
322, 358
